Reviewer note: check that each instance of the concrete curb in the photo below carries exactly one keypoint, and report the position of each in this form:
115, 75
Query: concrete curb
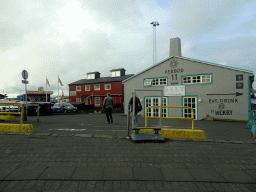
25, 128
178, 133
7, 118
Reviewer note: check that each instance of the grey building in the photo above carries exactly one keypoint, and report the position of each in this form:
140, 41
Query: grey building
214, 90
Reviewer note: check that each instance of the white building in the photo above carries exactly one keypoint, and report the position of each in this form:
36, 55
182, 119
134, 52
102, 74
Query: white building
219, 91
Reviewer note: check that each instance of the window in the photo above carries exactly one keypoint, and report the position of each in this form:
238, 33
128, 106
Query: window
197, 79
87, 87
97, 100
96, 87
206, 78
107, 86
78, 99
155, 111
91, 76
190, 102
155, 82
78, 88
147, 82
72, 93
115, 73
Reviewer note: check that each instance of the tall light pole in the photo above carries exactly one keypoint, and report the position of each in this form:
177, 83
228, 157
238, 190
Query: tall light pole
154, 23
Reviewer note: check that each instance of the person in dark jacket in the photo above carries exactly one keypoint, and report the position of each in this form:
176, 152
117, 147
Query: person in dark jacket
108, 105
138, 107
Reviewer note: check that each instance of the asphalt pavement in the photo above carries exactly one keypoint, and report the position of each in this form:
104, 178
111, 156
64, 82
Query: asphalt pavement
96, 124
83, 153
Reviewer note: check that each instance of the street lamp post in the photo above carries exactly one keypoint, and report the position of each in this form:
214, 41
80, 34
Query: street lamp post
154, 23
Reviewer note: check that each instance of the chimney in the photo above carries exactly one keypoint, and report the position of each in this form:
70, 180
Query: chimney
175, 47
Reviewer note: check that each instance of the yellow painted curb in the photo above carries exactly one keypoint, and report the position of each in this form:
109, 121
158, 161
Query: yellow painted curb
178, 133
7, 118
25, 128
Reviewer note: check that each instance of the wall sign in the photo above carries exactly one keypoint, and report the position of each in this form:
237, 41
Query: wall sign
239, 85
174, 90
239, 77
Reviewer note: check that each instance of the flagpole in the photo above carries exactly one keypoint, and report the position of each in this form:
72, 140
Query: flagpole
46, 88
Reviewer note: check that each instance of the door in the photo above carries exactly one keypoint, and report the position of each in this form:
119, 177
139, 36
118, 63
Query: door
190, 102
155, 101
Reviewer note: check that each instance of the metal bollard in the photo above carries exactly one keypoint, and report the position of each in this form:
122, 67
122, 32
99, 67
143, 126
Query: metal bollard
38, 113
128, 122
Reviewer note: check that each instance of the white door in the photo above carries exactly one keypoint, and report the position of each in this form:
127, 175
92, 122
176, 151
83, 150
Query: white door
155, 101
190, 102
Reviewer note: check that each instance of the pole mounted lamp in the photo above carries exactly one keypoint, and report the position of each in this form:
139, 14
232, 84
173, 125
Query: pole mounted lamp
154, 23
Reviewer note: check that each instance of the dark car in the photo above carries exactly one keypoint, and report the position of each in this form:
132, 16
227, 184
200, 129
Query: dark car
45, 108
66, 107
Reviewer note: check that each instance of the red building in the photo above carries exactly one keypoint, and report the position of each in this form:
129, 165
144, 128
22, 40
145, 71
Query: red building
93, 90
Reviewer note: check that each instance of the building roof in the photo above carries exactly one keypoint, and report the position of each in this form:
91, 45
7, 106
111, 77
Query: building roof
101, 80
186, 58
93, 72
118, 69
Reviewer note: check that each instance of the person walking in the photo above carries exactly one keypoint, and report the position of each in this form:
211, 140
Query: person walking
138, 108
108, 105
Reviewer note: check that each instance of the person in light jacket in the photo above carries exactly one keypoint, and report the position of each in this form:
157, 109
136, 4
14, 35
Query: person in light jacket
108, 105
138, 108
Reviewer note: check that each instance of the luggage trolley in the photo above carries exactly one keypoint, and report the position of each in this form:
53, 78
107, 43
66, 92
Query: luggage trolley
144, 136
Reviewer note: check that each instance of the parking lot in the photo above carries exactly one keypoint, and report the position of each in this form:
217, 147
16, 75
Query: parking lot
96, 124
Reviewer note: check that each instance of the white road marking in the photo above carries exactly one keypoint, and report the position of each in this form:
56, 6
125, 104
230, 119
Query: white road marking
108, 130
71, 129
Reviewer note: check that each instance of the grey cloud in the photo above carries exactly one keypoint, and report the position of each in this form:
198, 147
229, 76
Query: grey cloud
199, 17
122, 12
238, 52
19, 18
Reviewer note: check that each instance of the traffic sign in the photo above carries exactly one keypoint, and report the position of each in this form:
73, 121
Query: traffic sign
24, 74
24, 81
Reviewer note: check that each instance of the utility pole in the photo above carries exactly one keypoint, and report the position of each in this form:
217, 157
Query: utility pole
154, 23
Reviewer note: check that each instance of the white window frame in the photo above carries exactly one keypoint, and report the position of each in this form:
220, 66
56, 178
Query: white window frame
154, 82
190, 102
197, 79
91, 76
115, 73
78, 99
72, 93
87, 86
78, 88
95, 87
147, 82
109, 87
97, 99
155, 112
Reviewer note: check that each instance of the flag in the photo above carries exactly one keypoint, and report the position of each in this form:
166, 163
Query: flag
60, 82
47, 82
62, 95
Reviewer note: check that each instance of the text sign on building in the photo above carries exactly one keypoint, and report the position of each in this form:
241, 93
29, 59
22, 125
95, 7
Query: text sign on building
174, 90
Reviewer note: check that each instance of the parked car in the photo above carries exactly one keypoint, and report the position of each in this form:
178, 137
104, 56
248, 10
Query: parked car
56, 109
5, 107
45, 108
66, 107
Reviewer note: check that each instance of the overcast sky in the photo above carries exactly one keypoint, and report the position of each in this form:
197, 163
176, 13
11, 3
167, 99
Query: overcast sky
70, 38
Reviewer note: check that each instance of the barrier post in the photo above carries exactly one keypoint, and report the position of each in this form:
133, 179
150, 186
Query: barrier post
128, 122
38, 113
161, 107
22, 114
